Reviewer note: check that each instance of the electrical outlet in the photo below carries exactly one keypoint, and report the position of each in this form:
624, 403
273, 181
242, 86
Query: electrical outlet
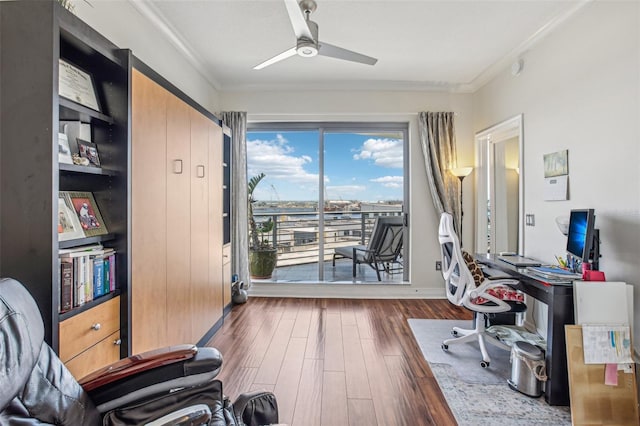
438, 265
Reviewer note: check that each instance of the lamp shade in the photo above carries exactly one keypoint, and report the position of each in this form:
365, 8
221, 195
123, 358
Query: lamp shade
461, 171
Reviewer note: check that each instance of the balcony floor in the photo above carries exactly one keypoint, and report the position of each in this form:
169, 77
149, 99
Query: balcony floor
341, 274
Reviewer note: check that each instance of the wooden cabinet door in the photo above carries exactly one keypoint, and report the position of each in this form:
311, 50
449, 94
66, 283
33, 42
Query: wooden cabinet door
148, 215
215, 222
179, 314
200, 170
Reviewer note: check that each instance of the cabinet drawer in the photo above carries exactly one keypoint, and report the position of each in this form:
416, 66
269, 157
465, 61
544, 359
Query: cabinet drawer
105, 352
88, 328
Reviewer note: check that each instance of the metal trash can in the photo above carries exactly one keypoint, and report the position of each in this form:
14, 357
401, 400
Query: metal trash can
528, 369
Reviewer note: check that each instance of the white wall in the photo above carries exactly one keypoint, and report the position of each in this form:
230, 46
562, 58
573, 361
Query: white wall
124, 26
401, 106
580, 90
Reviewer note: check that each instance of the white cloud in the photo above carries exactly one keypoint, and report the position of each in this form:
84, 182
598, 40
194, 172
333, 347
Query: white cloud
383, 152
346, 192
277, 160
389, 181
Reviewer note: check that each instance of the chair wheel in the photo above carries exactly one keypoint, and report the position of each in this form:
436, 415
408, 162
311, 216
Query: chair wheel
444, 347
484, 364
454, 333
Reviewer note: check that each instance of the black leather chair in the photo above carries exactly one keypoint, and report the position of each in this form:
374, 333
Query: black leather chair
170, 386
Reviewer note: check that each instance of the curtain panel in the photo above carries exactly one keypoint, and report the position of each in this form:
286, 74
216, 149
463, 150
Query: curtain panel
237, 122
438, 143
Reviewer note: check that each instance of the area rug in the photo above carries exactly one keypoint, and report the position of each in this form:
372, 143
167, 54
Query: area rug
479, 396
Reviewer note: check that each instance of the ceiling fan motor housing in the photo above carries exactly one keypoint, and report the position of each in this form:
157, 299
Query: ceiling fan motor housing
305, 47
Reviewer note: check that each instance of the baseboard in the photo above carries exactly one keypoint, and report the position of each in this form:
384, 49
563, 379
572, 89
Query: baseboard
345, 291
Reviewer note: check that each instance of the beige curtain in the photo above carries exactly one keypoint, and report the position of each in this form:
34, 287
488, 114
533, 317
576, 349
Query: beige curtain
237, 122
438, 142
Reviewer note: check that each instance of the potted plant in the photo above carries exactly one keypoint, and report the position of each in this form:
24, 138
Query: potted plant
262, 254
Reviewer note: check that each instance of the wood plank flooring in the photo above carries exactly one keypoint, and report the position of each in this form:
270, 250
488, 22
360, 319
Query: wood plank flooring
335, 362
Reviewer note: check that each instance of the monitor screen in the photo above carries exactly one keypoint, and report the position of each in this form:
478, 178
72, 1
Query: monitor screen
580, 235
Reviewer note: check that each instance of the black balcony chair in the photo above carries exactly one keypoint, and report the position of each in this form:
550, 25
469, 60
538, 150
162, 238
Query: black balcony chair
383, 252
173, 386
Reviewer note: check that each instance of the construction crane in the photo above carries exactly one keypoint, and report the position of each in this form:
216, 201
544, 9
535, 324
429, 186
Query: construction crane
273, 188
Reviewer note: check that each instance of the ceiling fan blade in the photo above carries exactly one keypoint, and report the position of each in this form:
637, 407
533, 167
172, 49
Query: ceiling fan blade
297, 18
326, 49
284, 55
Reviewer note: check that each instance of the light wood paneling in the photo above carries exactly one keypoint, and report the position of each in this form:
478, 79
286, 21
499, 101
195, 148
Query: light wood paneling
149, 215
86, 329
200, 287
178, 170
105, 352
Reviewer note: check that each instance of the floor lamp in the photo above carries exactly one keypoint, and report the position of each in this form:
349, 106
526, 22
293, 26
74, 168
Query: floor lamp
461, 173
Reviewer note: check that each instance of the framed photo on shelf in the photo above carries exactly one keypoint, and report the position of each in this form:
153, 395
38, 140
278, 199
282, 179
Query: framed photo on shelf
77, 85
85, 207
68, 223
64, 152
89, 150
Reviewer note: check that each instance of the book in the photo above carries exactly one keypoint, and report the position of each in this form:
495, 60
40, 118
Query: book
78, 279
112, 272
66, 285
88, 279
98, 276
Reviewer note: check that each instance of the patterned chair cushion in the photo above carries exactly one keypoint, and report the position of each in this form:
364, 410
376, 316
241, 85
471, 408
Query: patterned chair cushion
501, 292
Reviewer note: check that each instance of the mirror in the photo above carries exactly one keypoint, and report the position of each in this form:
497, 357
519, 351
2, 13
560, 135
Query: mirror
499, 188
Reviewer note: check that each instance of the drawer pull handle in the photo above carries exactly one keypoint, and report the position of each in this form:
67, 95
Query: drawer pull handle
200, 171
117, 342
96, 326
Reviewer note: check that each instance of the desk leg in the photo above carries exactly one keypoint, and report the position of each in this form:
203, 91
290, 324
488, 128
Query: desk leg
560, 313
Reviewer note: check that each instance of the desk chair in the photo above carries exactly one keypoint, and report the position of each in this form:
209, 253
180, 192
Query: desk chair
175, 386
383, 249
483, 298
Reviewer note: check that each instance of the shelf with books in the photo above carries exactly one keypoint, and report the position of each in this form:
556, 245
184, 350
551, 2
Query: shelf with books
88, 305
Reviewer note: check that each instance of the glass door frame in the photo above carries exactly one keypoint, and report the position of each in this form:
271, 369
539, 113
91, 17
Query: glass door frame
348, 127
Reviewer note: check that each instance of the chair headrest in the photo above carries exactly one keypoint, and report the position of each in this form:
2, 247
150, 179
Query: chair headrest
21, 338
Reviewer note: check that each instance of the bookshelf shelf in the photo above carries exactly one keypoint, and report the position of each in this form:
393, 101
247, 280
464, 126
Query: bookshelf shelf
70, 110
74, 168
86, 241
95, 302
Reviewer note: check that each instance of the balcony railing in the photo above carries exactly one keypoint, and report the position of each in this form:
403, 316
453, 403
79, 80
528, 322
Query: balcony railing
296, 234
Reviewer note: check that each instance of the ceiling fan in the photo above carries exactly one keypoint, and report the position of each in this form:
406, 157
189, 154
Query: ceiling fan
308, 44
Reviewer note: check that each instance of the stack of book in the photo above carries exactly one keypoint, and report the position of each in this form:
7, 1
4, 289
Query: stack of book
86, 273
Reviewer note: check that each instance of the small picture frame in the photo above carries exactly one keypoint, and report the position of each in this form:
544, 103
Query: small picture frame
85, 207
68, 224
89, 150
64, 152
77, 85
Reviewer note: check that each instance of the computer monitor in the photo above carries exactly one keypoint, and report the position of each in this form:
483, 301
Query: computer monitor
582, 236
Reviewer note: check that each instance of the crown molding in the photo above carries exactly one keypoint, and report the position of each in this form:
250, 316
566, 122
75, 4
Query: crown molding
147, 9
493, 70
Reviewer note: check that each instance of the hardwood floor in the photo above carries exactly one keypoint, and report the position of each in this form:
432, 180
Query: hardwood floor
335, 362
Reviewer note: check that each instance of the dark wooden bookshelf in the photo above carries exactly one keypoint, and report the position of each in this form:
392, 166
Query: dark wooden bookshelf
34, 35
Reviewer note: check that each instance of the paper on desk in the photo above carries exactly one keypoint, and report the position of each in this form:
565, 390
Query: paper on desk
606, 344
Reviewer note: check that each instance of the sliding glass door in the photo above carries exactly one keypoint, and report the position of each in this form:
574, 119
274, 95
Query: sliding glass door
325, 185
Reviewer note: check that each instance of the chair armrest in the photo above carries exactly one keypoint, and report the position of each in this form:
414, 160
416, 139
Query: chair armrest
151, 373
137, 363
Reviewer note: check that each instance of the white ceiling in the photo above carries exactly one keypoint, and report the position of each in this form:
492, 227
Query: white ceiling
441, 45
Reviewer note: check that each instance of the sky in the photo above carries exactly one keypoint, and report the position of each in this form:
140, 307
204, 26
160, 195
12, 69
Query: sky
357, 166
